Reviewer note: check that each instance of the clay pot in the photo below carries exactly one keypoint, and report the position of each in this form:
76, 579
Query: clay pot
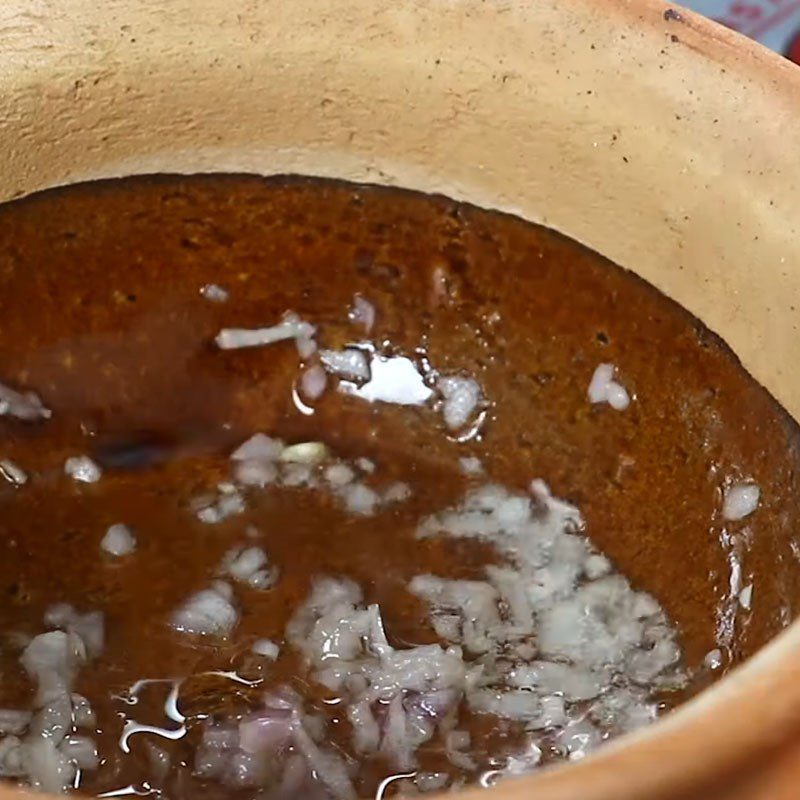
661, 140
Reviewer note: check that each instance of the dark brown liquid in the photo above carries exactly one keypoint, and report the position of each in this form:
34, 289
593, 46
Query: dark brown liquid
103, 318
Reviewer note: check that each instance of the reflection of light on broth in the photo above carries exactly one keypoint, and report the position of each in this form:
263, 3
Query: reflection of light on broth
393, 379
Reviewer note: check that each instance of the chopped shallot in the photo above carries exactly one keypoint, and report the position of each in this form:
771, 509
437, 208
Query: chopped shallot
306, 347
305, 453
89, 627
362, 313
470, 466
210, 612
713, 659
13, 721
313, 382
740, 501
82, 469
119, 540
350, 364
462, 396
214, 292
339, 474
259, 447
266, 648
290, 327
604, 389
22, 405
12, 473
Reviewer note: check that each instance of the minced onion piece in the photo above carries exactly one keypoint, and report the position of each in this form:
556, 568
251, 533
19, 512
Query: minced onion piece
470, 466
475, 601
228, 504
255, 473
158, 759
398, 492
259, 447
292, 740
462, 396
23, 405
118, 540
339, 474
13, 721
596, 566
82, 750
240, 563
746, 597
592, 630
48, 769
290, 327
52, 659
525, 761
305, 453
298, 473
345, 645
741, 500
89, 627
366, 465
392, 379
214, 292
209, 612
578, 738
82, 712
431, 781
12, 473
574, 682
249, 565
266, 648
256, 460
50, 754
362, 313
360, 499
82, 469
456, 742
313, 382
713, 659
219, 757
604, 389
306, 347
350, 364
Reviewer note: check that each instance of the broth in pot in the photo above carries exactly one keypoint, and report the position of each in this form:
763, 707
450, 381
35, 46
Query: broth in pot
314, 489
